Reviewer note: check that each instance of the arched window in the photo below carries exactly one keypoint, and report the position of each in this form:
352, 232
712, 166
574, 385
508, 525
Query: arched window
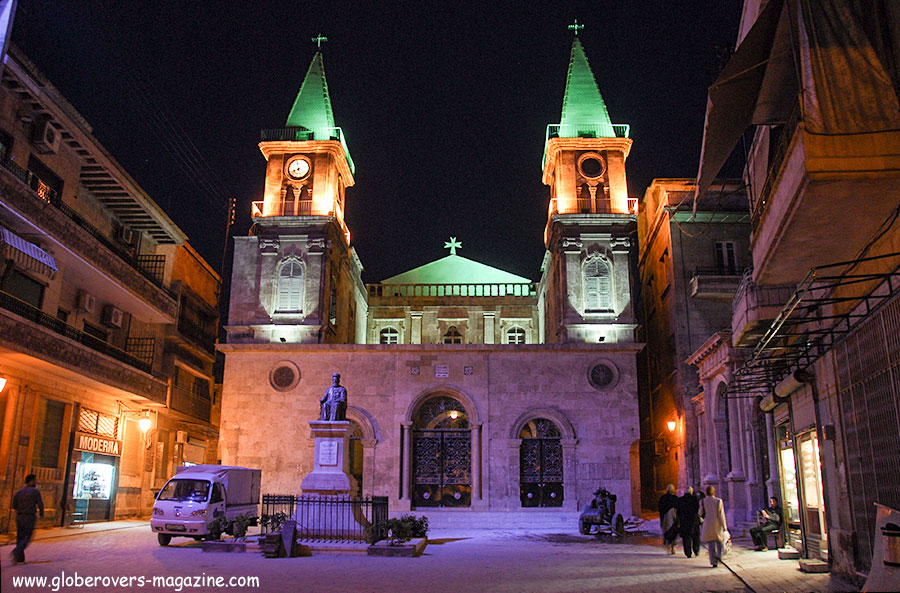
452, 336
389, 335
290, 286
515, 335
597, 286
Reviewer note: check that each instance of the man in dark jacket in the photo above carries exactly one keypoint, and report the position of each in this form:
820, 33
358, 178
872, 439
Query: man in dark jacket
26, 502
668, 518
769, 521
688, 510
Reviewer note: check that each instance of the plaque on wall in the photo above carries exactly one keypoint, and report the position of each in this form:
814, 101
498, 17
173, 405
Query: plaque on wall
328, 453
441, 371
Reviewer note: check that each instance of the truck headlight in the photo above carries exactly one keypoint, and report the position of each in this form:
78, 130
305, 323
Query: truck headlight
201, 513
157, 511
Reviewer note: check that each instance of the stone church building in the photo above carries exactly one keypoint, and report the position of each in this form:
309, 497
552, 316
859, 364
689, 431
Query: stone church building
471, 389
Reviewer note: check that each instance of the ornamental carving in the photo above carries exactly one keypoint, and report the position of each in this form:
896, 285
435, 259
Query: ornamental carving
269, 246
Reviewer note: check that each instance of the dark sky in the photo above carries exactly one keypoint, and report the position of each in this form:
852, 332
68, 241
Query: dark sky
444, 105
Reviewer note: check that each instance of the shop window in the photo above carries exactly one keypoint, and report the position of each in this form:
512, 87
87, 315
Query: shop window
515, 335
23, 287
597, 286
389, 335
290, 286
452, 336
49, 433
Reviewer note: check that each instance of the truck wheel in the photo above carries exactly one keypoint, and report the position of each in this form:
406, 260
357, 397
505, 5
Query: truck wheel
619, 525
163, 538
584, 527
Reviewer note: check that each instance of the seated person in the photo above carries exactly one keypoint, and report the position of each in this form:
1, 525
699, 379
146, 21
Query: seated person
769, 521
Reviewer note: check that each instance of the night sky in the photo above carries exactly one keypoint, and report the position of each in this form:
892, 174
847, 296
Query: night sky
444, 106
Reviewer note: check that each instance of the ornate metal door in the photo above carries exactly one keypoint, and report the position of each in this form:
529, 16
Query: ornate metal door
442, 462
541, 465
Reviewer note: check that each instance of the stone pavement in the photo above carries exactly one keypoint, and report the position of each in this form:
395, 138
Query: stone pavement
457, 560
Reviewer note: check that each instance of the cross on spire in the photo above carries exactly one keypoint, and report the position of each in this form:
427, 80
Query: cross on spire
453, 245
576, 27
318, 39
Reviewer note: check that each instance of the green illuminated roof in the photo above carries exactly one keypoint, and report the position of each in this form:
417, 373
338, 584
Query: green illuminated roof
583, 107
455, 269
312, 107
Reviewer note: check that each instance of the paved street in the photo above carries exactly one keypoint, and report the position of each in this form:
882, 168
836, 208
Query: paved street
474, 561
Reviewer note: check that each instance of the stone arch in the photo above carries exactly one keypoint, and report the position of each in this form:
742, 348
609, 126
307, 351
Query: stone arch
719, 404
368, 424
557, 417
463, 397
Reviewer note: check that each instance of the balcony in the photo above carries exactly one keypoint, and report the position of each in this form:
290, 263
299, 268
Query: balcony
753, 309
823, 197
715, 284
197, 335
305, 135
91, 249
27, 329
187, 402
387, 294
260, 209
598, 205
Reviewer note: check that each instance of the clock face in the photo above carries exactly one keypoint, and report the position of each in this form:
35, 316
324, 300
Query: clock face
298, 168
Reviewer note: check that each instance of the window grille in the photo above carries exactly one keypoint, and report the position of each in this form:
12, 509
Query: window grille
98, 423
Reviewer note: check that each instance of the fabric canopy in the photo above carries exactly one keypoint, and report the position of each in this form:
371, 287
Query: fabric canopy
27, 255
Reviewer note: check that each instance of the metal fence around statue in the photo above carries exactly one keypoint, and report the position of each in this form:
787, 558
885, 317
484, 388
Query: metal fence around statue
601, 514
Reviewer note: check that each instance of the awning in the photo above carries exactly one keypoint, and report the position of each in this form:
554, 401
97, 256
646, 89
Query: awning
750, 90
26, 255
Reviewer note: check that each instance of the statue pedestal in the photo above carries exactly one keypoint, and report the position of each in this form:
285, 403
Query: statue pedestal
331, 463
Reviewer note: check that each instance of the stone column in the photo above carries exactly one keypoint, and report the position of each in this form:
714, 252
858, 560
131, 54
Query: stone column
489, 326
512, 480
368, 446
476, 461
773, 485
416, 327
406, 468
570, 475
736, 431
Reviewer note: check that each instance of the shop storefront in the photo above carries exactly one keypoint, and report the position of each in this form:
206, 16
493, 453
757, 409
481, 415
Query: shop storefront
95, 467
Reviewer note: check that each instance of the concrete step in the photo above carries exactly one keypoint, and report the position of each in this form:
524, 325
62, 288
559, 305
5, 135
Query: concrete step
788, 554
452, 519
813, 565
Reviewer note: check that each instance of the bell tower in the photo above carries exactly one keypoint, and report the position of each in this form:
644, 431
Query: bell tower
296, 278
590, 265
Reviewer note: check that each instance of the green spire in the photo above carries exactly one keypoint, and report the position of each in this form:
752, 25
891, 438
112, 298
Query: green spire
583, 111
312, 107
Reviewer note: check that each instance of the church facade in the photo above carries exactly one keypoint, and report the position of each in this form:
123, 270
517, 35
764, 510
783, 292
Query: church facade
470, 388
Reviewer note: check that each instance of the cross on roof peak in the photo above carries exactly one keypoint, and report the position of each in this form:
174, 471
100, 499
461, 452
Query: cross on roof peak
318, 39
576, 27
453, 245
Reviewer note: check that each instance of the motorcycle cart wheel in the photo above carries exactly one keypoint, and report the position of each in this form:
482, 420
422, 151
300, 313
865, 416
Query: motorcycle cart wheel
619, 524
584, 527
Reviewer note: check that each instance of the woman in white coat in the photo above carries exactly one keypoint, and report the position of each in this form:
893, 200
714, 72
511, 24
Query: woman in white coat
713, 530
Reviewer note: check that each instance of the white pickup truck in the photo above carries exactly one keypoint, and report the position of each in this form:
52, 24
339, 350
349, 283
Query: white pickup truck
197, 495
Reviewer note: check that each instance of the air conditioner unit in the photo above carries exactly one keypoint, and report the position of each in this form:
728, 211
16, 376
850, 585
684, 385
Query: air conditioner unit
85, 302
126, 235
46, 137
181, 436
112, 317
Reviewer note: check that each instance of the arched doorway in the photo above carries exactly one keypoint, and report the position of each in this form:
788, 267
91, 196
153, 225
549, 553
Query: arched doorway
541, 464
355, 456
441, 454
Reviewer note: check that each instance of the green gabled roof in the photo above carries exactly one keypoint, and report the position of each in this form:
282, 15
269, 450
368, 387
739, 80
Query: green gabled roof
312, 107
582, 104
455, 269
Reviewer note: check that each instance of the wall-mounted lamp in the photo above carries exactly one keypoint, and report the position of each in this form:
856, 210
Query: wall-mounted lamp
671, 424
2, 383
145, 423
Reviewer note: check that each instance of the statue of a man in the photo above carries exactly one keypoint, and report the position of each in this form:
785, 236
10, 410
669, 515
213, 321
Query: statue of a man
334, 402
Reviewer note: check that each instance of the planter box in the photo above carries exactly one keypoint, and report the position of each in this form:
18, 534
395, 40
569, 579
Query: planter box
214, 546
411, 549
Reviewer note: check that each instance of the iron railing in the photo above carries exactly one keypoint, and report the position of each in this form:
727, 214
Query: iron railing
141, 348
453, 290
197, 334
597, 130
35, 315
718, 271
150, 271
297, 134
758, 206
329, 519
599, 205
283, 208
187, 402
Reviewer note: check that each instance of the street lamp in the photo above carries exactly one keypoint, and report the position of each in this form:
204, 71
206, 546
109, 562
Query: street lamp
671, 425
144, 424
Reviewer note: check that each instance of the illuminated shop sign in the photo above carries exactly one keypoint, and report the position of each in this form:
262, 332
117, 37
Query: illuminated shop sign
93, 443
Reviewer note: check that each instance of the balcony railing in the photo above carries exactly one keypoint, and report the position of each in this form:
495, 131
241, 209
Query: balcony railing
776, 159
149, 267
588, 130
283, 208
197, 334
305, 135
141, 348
599, 205
187, 402
452, 290
718, 271
35, 315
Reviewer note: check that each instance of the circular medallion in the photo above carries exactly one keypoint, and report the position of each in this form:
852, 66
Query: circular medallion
603, 375
591, 165
284, 376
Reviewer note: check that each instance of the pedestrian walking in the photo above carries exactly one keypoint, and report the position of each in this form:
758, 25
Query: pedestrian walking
713, 532
769, 521
668, 518
26, 502
688, 511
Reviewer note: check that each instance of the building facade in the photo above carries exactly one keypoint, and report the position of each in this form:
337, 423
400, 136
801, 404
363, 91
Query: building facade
469, 387
108, 318
803, 392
